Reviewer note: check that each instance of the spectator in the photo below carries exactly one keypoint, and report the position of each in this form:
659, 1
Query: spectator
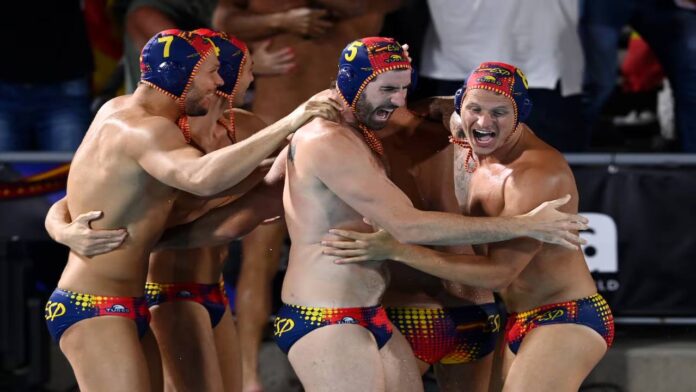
668, 27
45, 92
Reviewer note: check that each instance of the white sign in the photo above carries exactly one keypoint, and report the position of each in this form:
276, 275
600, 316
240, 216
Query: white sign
601, 251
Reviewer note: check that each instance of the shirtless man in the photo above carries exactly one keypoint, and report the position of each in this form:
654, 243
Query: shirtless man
355, 287
449, 326
328, 25
336, 334
559, 326
421, 166
135, 140
191, 319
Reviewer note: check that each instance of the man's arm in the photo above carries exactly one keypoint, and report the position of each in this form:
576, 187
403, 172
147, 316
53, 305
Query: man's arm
234, 18
344, 164
236, 219
77, 234
183, 167
351, 8
144, 22
489, 272
503, 263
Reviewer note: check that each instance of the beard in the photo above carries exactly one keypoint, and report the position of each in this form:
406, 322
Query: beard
193, 106
365, 113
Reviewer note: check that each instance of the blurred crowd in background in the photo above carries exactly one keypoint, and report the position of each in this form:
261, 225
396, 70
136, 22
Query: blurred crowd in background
613, 76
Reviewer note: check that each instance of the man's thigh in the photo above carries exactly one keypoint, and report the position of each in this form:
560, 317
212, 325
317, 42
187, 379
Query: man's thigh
555, 358
227, 347
473, 376
187, 345
342, 357
401, 372
106, 355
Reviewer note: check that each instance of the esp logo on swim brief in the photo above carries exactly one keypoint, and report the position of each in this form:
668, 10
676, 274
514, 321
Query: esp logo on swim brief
53, 310
493, 324
551, 315
282, 325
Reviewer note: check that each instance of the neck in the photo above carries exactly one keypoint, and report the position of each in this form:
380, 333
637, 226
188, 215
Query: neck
157, 102
204, 129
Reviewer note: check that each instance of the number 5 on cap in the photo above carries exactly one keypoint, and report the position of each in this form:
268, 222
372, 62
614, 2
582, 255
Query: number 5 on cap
167, 43
353, 50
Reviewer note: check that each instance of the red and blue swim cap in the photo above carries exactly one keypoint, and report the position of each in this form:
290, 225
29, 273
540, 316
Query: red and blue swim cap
170, 59
501, 78
232, 54
362, 60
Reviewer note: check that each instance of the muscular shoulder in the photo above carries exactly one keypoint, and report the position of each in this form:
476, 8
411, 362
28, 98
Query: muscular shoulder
543, 177
151, 132
247, 123
322, 135
322, 142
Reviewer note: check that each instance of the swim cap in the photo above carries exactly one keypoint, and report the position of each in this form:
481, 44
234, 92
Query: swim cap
232, 54
364, 59
170, 59
501, 78
361, 61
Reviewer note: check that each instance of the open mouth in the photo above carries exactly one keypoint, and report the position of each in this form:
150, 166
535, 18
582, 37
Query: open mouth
383, 114
484, 137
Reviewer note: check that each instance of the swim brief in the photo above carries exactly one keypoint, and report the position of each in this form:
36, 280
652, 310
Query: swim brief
210, 296
592, 311
65, 308
293, 322
449, 335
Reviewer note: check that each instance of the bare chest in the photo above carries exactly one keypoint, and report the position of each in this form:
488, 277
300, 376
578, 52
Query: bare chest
481, 193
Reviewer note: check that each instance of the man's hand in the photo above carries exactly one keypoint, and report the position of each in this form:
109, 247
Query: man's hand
547, 224
439, 109
405, 48
267, 62
360, 247
81, 239
324, 104
306, 22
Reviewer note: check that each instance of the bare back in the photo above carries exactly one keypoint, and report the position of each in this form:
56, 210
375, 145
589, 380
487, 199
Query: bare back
104, 177
554, 273
311, 209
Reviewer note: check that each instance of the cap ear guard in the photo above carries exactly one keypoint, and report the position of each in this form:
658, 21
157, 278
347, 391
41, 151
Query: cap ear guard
525, 109
170, 73
345, 79
414, 80
458, 96
226, 71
